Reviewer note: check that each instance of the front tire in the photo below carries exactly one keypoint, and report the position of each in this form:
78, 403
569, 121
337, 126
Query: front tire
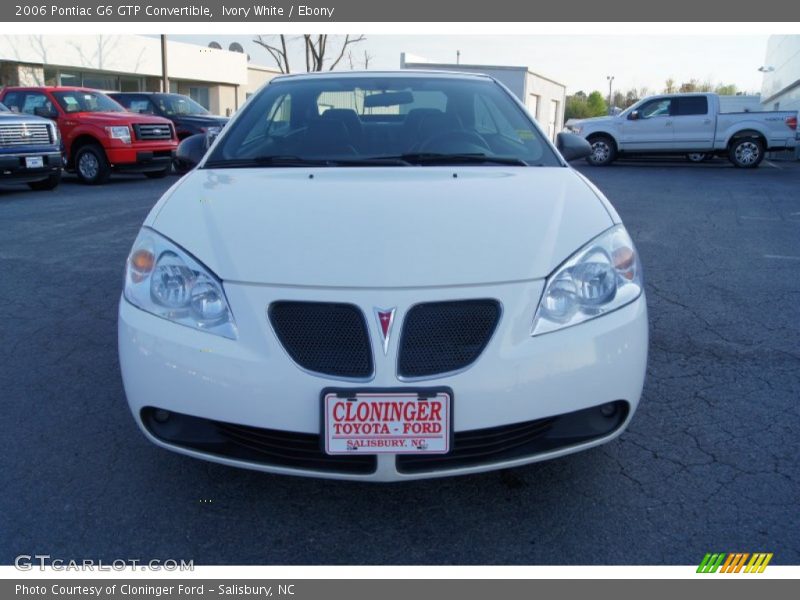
91, 165
604, 151
50, 183
746, 152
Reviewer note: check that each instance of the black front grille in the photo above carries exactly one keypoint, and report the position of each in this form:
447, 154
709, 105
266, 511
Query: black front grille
441, 337
479, 446
520, 440
152, 131
254, 444
289, 449
323, 337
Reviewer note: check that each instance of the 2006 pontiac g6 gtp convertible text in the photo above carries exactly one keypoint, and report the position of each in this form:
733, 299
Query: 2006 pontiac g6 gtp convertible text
383, 276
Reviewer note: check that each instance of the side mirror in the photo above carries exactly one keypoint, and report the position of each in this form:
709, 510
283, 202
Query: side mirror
633, 116
572, 147
47, 113
191, 151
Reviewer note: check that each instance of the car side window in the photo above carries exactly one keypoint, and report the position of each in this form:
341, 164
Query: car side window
11, 100
140, 105
34, 100
489, 119
484, 123
659, 107
690, 105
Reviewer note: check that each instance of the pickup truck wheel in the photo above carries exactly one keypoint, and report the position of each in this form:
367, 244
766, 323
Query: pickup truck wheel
91, 165
50, 183
746, 153
158, 174
604, 151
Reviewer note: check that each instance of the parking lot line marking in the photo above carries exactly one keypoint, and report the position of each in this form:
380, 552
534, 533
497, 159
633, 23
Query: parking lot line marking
781, 257
760, 218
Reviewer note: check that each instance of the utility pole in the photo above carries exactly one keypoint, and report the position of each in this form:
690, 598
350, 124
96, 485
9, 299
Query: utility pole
164, 76
610, 79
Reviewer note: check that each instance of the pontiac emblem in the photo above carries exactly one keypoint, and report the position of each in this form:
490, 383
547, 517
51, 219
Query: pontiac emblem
385, 317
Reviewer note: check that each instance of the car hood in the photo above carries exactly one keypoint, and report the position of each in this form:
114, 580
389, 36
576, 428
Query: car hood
10, 117
116, 118
381, 227
201, 120
592, 121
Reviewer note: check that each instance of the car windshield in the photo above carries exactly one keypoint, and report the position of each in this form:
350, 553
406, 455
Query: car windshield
86, 101
4, 108
175, 105
382, 121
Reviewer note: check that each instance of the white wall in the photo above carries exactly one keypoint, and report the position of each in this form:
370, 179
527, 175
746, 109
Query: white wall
126, 54
783, 55
550, 116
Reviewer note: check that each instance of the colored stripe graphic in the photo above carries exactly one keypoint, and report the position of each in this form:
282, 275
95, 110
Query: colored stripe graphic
758, 563
711, 563
733, 562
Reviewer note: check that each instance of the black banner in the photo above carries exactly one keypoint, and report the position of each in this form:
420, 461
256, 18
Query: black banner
406, 11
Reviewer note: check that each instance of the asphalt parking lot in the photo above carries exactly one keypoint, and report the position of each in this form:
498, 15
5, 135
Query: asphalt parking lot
709, 464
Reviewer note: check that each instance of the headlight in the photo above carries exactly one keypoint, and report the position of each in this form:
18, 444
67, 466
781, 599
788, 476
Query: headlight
602, 276
166, 281
55, 135
121, 133
576, 129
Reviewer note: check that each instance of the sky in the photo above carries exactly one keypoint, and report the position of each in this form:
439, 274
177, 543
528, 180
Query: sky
582, 62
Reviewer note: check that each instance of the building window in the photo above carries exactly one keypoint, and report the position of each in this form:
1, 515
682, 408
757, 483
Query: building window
99, 81
69, 78
129, 84
50, 76
200, 95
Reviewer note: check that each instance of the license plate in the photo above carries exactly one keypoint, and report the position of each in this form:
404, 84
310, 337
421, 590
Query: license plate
387, 422
34, 162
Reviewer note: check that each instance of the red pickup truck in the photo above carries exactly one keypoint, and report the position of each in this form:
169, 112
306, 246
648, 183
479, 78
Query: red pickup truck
99, 135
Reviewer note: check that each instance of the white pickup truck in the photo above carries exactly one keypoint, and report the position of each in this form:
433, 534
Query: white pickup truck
689, 124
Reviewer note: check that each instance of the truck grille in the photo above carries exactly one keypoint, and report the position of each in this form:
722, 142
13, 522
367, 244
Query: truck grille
441, 337
326, 338
152, 131
24, 134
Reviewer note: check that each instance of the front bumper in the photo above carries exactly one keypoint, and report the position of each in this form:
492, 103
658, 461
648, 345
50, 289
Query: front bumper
13, 167
252, 383
140, 158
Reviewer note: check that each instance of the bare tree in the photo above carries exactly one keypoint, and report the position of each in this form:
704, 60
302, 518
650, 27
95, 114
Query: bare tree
669, 86
320, 51
317, 50
367, 58
278, 51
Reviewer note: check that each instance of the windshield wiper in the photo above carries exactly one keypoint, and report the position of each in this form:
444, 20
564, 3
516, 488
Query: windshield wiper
437, 158
274, 160
287, 160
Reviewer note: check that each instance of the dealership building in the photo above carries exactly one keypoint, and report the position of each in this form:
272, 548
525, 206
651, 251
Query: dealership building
544, 97
221, 80
780, 88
